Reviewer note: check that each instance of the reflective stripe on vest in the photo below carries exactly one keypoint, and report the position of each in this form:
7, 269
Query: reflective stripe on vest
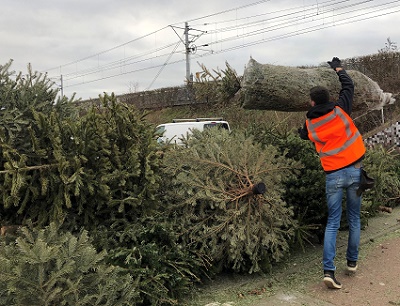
337, 111
346, 145
336, 157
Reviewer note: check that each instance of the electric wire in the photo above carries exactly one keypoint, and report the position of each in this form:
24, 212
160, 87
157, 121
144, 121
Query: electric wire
163, 66
226, 11
298, 10
108, 50
304, 17
225, 50
126, 60
102, 68
271, 13
117, 64
286, 24
288, 19
301, 32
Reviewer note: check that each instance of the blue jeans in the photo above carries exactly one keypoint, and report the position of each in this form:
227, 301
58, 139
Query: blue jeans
346, 179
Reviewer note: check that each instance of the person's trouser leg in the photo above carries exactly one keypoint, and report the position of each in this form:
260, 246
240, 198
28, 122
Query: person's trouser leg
334, 193
353, 208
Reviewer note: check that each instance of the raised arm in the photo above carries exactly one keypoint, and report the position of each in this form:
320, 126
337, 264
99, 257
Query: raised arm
346, 94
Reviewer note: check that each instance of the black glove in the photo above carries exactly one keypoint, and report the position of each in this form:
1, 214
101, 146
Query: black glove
299, 131
335, 63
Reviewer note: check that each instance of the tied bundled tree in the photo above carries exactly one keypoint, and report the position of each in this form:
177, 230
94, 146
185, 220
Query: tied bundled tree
283, 88
219, 204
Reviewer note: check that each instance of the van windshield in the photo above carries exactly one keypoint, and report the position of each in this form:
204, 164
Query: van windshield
216, 124
160, 130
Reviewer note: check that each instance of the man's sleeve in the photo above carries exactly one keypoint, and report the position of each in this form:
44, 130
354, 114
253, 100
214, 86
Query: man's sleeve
346, 94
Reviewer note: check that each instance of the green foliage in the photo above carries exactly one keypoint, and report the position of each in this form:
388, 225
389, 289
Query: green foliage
164, 224
113, 172
217, 87
150, 251
89, 168
383, 165
305, 192
210, 194
27, 103
61, 166
47, 267
23, 93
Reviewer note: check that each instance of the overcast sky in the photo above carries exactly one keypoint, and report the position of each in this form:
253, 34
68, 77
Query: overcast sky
123, 46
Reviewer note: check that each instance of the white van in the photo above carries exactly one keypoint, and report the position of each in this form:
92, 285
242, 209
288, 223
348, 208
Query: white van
180, 129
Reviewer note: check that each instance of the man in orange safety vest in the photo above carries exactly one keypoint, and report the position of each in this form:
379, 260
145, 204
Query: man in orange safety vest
341, 150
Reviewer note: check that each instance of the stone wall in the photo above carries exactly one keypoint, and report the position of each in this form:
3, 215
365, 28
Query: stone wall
157, 99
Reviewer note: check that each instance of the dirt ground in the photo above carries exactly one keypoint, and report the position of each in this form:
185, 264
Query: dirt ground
377, 281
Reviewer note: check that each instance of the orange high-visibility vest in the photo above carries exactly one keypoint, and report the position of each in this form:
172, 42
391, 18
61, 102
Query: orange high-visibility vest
337, 140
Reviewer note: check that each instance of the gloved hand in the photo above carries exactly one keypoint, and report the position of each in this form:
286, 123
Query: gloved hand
299, 130
335, 63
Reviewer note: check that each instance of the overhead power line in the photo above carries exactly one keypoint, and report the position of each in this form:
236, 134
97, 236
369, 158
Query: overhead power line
135, 59
105, 51
312, 18
283, 24
271, 16
163, 66
301, 32
226, 11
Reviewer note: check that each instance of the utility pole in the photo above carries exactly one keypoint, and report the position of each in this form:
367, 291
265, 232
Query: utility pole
62, 86
187, 52
190, 48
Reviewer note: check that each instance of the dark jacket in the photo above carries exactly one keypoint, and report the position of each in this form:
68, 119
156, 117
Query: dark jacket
345, 101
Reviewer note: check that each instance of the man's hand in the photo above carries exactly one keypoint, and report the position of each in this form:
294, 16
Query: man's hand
335, 63
303, 133
299, 130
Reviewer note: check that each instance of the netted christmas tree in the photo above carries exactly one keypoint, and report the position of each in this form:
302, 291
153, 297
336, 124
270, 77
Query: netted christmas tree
226, 196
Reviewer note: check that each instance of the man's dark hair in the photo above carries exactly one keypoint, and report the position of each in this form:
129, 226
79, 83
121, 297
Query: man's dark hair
319, 94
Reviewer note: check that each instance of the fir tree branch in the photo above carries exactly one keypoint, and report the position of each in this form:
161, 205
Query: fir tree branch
30, 168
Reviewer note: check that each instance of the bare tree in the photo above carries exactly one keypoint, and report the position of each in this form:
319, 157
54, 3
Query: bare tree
390, 46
